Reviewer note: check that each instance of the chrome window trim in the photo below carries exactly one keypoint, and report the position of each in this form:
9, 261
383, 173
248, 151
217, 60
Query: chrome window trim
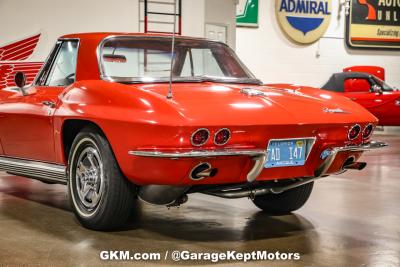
127, 79
36, 82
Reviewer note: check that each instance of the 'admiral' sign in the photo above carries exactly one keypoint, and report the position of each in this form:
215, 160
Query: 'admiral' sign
374, 24
304, 21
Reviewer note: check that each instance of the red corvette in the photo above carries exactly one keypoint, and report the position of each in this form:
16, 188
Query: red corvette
370, 92
101, 118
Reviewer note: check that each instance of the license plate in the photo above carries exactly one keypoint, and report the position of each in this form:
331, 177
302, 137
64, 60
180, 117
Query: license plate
285, 153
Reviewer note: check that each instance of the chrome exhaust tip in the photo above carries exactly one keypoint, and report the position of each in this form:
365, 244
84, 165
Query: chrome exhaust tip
355, 166
203, 170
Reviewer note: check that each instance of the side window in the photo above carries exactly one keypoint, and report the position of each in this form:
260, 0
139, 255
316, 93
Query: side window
63, 69
358, 85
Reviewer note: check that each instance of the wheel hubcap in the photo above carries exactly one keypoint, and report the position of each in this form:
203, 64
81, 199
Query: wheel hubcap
89, 178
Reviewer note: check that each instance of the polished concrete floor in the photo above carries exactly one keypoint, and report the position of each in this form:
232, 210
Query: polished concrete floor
350, 220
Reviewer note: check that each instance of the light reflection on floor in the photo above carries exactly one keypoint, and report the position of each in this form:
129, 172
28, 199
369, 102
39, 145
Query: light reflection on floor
350, 220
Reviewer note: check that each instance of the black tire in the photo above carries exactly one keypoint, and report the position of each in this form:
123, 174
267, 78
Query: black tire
286, 202
101, 197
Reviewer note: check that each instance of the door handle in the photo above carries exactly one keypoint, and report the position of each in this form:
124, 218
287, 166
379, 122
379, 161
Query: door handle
50, 104
353, 98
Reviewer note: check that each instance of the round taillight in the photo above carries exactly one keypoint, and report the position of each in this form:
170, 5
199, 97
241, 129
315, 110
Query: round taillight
354, 132
222, 137
368, 131
200, 137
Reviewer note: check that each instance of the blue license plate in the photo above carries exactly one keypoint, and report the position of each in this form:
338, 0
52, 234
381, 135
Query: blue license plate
285, 153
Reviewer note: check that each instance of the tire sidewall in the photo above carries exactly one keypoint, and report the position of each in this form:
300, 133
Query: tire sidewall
83, 140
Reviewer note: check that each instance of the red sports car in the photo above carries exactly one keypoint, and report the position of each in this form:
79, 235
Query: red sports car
369, 91
101, 117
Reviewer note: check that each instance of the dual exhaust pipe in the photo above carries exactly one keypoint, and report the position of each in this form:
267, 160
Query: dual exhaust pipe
355, 166
171, 195
350, 164
203, 170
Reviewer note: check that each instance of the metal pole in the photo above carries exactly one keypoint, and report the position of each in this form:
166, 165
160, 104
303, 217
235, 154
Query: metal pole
169, 95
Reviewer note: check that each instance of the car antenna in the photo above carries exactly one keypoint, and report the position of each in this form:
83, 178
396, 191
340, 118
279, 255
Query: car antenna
169, 95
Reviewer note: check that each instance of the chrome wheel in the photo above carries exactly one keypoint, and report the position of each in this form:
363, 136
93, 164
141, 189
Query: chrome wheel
89, 178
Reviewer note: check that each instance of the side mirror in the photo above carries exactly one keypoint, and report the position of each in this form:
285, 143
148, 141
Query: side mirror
377, 89
20, 81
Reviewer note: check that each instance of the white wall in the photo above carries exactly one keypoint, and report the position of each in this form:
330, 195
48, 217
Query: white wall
222, 12
193, 18
274, 58
52, 18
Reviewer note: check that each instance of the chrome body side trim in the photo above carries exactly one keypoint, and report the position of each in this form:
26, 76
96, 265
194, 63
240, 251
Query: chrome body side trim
34, 169
259, 156
199, 153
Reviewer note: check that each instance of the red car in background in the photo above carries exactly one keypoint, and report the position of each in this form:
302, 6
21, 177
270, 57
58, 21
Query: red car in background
373, 70
369, 91
101, 117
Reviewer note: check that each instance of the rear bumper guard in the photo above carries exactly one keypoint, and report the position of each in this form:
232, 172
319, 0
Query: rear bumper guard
324, 167
259, 156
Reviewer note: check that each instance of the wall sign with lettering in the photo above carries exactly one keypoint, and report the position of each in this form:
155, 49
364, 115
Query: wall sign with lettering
373, 24
304, 21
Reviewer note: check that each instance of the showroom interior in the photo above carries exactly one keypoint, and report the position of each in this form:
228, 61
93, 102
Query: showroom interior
352, 216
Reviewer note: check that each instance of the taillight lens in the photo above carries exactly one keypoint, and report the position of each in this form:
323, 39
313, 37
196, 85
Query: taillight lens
222, 137
368, 130
200, 137
354, 132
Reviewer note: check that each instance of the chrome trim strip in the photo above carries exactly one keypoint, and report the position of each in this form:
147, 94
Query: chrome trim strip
199, 153
259, 156
324, 167
34, 169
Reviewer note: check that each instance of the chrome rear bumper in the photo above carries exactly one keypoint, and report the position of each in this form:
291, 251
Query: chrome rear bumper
324, 167
259, 156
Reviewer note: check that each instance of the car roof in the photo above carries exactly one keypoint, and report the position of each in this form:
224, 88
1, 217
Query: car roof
87, 62
101, 35
336, 81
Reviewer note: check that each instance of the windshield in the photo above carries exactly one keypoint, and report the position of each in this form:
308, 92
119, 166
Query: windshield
148, 59
383, 85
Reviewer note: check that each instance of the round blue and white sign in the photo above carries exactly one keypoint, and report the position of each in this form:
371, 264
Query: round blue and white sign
304, 21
